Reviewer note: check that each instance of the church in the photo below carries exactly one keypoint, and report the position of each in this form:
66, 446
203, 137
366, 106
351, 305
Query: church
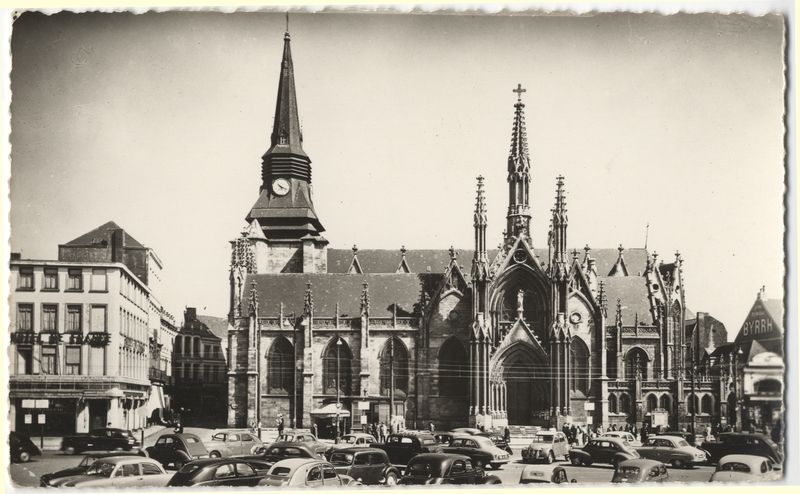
525, 335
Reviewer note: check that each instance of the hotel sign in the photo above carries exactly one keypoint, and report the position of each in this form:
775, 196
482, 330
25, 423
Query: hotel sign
96, 339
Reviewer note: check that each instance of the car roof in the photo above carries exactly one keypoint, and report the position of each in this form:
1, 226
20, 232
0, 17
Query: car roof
293, 463
547, 469
289, 444
108, 454
751, 460
358, 434
359, 449
610, 439
126, 459
665, 436
182, 435
641, 463
439, 457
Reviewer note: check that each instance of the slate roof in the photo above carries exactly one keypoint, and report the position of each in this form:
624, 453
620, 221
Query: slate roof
774, 307
217, 325
387, 260
632, 291
385, 290
103, 232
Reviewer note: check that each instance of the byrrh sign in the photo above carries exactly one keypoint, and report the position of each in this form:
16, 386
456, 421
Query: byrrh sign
757, 323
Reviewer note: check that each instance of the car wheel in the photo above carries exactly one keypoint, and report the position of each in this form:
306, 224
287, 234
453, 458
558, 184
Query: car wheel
551, 457
24, 457
576, 461
677, 463
391, 478
69, 450
214, 454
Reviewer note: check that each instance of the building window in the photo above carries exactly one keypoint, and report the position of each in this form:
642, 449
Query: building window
636, 364
453, 370
24, 360
280, 366
25, 279
75, 280
99, 281
49, 317
579, 360
74, 316
50, 279
72, 360
49, 360
337, 375
394, 357
25, 317
612, 404
98, 318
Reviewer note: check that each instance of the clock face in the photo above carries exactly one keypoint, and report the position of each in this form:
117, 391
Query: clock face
575, 318
280, 187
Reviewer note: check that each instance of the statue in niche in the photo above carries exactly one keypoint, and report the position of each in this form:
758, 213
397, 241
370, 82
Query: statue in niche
520, 303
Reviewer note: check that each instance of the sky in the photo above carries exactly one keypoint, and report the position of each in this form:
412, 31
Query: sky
158, 121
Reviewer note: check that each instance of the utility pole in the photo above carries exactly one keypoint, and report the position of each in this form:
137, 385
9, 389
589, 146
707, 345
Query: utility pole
338, 385
295, 322
695, 357
391, 382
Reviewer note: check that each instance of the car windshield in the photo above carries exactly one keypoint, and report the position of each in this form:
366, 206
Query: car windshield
428, 442
423, 469
542, 438
218, 437
101, 468
349, 439
189, 468
286, 437
628, 472
87, 460
733, 466
342, 459
280, 471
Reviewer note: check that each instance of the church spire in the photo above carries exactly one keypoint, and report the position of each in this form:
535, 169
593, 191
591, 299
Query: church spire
480, 258
519, 217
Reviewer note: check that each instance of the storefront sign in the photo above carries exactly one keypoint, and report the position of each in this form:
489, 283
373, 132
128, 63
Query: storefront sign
28, 418
97, 339
41, 419
35, 403
363, 405
588, 406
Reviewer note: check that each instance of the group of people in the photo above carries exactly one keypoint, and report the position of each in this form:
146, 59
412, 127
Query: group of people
380, 431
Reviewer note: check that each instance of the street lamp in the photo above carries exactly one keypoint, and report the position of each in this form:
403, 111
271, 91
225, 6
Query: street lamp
391, 383
338, 380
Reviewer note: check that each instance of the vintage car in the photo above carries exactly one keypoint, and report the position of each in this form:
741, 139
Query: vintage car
498, 441
444, 468
306, 438
370, 466
467, 430
118, 471
640, 470
688, 436
481, 450
300, 472
625, 436
21, 447
672, 450
743, 443
602, 450
87, 461
544, 474
106, 439
745, 468
177, 449
546, 446
356, 439
444, 438
213, 472
276, 452
235, 443
403, 446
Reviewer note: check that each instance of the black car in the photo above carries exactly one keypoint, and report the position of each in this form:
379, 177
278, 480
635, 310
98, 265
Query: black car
603, 450
106, 439
276, 452
743, 443
21, 447
213, 472
498, 441
370, 466
402, 447
82, 467
480, 449
444, 438
177, 450
444, 468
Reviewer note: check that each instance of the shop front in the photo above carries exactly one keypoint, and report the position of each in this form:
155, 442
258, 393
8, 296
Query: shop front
326, 417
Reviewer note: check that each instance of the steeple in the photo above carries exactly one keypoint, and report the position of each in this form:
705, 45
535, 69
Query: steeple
519, 217
480, 260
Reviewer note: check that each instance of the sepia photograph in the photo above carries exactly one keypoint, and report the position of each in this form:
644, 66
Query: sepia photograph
340, 248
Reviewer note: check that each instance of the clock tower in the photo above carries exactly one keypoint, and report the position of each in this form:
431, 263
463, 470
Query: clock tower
284, 228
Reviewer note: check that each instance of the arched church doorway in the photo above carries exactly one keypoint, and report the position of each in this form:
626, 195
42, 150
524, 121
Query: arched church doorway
527, 385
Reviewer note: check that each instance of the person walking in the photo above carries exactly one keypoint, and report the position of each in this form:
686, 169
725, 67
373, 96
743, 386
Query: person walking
506, 434
316, 430
644, 432
382, 432
431, 428
280, 424
574, 432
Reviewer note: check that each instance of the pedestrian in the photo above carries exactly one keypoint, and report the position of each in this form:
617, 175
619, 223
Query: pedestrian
373, 429
382, 432
280, 424
431, 427
613, 427
777, 432
644, 432
506, 434
574, 431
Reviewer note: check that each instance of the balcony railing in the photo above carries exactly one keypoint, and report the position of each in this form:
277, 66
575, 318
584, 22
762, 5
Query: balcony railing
158, 375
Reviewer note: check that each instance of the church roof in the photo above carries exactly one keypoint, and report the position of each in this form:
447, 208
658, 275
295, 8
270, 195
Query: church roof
632, 291
328, 289
217, 325
101, 233
774, 307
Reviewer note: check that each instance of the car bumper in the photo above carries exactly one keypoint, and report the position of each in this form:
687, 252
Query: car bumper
537, 454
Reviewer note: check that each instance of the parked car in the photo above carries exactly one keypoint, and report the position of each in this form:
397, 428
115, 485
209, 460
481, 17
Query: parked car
745, 468
119, 471
481, 450
444, 438
544, 474
356, 439
297, 472
231, 444
444, 468
546, 446
87, 461
625, 436
283, 451
177, 449
498, 441
688, 436
640, 470
106, 439
370, 466
21, 447
602, 450
306, 438
743, 443
403, 446
213, 472
472, 431
672, 450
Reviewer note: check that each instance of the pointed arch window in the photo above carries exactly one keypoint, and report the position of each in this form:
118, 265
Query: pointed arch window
337, 375
453, 370
394, 355
280, 367
612, 404
636, 362
692, 403
707, 404
665, 402
580, 366
625, 403
652, 403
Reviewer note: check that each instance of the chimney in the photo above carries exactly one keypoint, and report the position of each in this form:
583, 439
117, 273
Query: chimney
117, 245
191, 314
16, 256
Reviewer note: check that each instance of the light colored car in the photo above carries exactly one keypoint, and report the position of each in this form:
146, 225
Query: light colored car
231, 443
640, 470
307, 438
544, 474
625, 436
296, 472
480, 449
119, 471
745, 468
546, 446
354, 440
673, 451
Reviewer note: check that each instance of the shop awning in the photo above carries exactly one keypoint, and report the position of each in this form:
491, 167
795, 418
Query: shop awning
330, 411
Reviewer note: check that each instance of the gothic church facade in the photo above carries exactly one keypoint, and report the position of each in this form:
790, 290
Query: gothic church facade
526, 335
